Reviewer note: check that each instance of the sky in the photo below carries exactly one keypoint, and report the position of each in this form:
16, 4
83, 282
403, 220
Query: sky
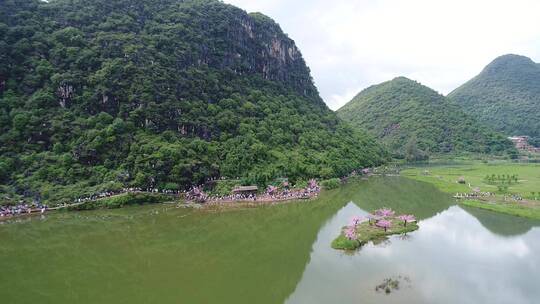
352, 44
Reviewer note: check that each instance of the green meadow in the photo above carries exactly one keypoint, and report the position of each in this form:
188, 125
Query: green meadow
445, 177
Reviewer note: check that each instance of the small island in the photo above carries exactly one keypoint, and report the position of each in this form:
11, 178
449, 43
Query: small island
375, 226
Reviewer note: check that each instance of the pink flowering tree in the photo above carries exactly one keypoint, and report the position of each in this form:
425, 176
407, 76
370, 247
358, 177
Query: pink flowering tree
271, 190
197, 194
196, 191
356, 220
312, 183
383, 224
385, 212
407, 218
350, 233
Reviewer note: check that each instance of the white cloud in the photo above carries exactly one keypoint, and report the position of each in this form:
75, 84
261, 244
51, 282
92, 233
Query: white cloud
341, 99
351, 44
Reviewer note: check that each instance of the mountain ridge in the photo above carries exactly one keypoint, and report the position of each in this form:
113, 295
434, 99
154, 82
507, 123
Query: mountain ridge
505, 95
403, 112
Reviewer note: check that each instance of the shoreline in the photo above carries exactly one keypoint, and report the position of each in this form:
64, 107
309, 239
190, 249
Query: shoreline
297, 194
509, 208
255, 203
119, 199
208, 205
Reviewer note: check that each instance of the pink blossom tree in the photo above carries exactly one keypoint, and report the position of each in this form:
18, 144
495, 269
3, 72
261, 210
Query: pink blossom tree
383, 224
197, 194
407, 218
271, 190
356, 220
312, 183
385, 212
350, 233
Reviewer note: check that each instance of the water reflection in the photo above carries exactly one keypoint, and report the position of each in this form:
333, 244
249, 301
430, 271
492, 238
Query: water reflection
401, 194
502, 224
160, 254
452, 258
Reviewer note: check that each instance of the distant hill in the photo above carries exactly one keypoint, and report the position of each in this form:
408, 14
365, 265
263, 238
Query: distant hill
404, 114
100, 95
505, 95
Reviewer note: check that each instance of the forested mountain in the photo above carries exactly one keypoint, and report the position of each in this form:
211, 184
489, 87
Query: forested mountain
505, 95
414, 120
103, 94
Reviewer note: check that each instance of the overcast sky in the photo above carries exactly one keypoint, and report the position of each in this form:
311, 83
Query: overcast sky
352, 44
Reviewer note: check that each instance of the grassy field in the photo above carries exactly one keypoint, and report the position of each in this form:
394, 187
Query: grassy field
445, 177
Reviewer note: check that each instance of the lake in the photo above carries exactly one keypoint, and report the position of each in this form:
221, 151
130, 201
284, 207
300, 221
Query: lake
272, 254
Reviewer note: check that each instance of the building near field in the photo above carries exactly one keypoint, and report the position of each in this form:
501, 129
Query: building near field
522, 143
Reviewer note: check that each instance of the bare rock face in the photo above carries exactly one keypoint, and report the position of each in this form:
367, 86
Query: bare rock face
65, 93
2, 83
230, 42
255, 44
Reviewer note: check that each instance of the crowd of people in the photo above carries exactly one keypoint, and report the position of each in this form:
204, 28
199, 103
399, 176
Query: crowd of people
234, 197
272, 194
515, 197
8, 211
196, 194
473, 195
24, 208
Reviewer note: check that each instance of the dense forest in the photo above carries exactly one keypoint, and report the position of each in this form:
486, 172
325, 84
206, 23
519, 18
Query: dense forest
99, 95
414, 122
505, 95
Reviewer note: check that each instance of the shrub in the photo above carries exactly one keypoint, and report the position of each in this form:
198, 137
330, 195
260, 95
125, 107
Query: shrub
502, 188
122, 200
223, 187
332, 183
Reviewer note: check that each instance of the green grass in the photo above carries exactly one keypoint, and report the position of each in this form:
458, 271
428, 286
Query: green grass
508, 208
369, 232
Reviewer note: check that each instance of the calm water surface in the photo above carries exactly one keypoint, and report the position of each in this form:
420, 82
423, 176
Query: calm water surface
278, 254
